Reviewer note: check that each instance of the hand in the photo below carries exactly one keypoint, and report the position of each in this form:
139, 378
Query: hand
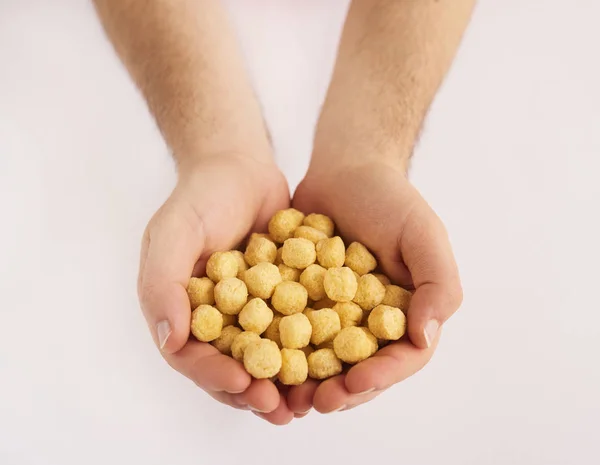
377, 206
215, 204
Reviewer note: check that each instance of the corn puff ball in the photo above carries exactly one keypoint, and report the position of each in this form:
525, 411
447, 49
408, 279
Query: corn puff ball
207, 323
221, 265
387, 322
383, 279
295, 331
294, 367
360, 259
261, 280
312, 234
278, 260
321, 222
241, 262
225, 340
312, 279
272, 332
331, 253
325, 325
201, 291
230, 295
298, 253
262, 359
229, 320
323, 363
395, 296
340, 284
353, 345
256, 316
350, 314
260, 249
289, 298
240, 342
369, 293
324, 303
283, 224
289, 274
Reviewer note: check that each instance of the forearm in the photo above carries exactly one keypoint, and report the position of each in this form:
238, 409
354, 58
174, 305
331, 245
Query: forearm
392, 58
184, 58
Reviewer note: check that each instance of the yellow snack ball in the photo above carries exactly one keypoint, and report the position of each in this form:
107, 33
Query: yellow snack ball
353, 345
272, 332
262, 359
207, 323
298, 253
369, 293
340, 284
278, 259
224, 341
383, 279
321, 222
324, 303
307, 350
283, 224
350, 314
360, 259
260, 249
256, 316
240, 342
230, 295
395, 296
221, 265
295, 331
229, 320
289, 298
325, 325
312, 234
312, 279
241, 262
201, 291
289, 274
387, 322
331, 253
294, 367
261, 280
323, 364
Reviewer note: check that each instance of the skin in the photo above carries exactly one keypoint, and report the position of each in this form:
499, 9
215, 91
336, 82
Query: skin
392, 58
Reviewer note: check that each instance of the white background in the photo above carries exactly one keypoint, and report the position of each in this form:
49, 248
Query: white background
510, 158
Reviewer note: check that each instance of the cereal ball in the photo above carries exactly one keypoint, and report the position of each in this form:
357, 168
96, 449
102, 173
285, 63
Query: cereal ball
353, 345
289, 298
229, 320
369, 292
224, 341
312, 234
256, 316
240, 343
221, 265
323, 363
325, 325
261, 280
260, 249
231, 295
307, 350
331, 253
284, 223
383, 279
312, 279
298, 253
272, 331
395, 296
262, 359
323, 303
289, 274
350, 313
295, 331
294, 367
360, 259
278, 260
262, 235
387, 322
201, 291
242, 265
321, 222
340, 284
207, 323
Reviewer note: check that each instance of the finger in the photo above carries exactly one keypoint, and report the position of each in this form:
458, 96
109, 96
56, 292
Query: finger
261, 396
227, 399
359, 399
300, 398
282, 415
332, 396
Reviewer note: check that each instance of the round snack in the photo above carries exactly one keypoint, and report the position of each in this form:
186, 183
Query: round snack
321, 222
289, 274
289, 298
323, 363
298, 253
272, 332
256, 316
369, 292
229, 320
395, 296
231, 295
283, 224
262, 359
224, 341
312, 279
201, 291
340, 284
354, 344
387, 322
260, 249
383, 279
331, 253
221, 265
294, 367
350, 313
242, 265
360, 259
325, 325
207, 323
295, 331
240, 343
323, 303
312, 234
261, 280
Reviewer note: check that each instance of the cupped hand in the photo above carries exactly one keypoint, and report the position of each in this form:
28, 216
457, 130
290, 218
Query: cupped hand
376, 205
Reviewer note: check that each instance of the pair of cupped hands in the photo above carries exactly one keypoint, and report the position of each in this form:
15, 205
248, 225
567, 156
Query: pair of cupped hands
219, 200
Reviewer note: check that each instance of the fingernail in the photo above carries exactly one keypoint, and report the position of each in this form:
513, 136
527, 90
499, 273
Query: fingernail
254, 409
304, 413
339, 409
430, 331
163, 331
365, 392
